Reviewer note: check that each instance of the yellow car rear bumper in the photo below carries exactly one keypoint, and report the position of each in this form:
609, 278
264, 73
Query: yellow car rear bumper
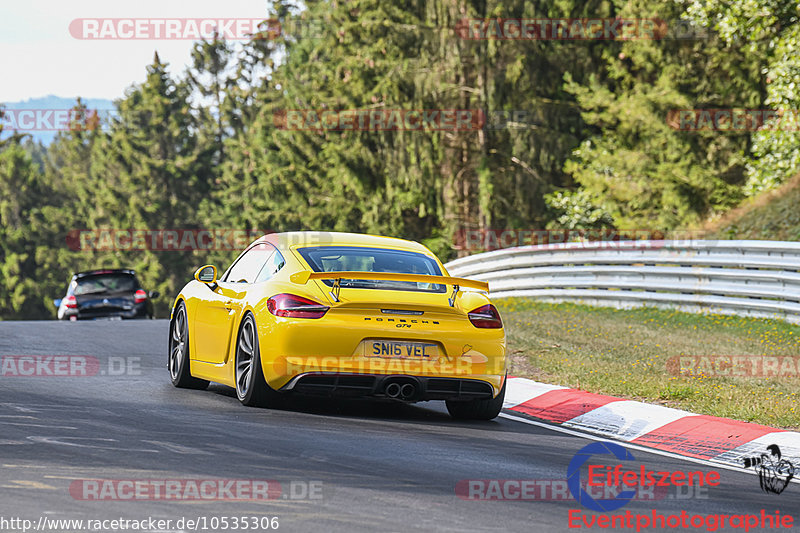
286, 372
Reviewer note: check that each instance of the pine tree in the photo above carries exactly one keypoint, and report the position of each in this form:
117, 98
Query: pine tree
155, 173
639, 165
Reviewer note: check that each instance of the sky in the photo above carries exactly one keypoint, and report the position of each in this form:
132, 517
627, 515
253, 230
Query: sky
39, 56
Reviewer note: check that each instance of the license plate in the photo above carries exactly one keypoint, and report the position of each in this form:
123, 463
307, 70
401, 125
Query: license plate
400, 349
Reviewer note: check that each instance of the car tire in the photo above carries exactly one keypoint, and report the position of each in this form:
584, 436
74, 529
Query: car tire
178, 361
477, 409
251, 387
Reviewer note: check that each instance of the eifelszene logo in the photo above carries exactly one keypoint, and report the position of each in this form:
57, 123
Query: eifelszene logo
774, 473
574, 476
617, 477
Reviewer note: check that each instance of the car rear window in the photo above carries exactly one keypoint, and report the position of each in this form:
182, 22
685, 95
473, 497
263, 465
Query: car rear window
363, 259
103, 283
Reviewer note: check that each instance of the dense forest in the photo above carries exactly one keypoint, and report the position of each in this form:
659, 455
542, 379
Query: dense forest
557, 133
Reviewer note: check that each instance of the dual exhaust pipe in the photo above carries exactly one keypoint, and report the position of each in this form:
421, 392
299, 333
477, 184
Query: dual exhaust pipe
404, 391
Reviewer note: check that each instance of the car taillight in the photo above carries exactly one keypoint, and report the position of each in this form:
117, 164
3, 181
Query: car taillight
70, 302
292, 306
139, 296
485, 316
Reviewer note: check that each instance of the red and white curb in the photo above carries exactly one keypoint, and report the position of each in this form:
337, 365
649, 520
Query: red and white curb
709, 438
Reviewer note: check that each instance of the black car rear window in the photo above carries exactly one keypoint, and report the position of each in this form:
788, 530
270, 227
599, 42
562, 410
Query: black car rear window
103, 283
363, 259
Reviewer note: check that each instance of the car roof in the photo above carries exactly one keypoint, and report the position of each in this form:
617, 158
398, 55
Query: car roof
292, 239
103, 271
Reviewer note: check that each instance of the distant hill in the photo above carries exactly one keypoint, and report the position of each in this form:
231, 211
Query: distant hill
772, 216
44, 119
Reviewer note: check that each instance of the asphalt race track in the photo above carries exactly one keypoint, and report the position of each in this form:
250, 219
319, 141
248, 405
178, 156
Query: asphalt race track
342, 465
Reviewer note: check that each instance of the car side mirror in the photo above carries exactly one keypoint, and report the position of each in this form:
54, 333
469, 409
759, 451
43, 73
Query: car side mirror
154, 294
57, 302
206, 274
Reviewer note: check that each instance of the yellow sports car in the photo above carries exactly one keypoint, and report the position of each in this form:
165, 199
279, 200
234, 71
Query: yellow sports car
340, 314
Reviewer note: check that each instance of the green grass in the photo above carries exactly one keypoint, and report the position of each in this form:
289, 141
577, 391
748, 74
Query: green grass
770, 216
624, 353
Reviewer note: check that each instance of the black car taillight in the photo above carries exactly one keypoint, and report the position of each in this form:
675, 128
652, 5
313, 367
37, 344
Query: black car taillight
485, 316
293, 306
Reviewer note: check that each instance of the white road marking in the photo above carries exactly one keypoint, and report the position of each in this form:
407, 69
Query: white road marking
59, 441
48, 426
178, 448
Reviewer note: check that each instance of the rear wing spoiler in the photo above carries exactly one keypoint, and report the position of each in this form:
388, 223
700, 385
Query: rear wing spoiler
305, 276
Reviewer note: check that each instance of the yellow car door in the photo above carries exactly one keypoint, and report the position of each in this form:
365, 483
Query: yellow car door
220, 311
214, 320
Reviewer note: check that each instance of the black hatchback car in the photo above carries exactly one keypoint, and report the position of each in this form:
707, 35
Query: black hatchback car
110, 293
